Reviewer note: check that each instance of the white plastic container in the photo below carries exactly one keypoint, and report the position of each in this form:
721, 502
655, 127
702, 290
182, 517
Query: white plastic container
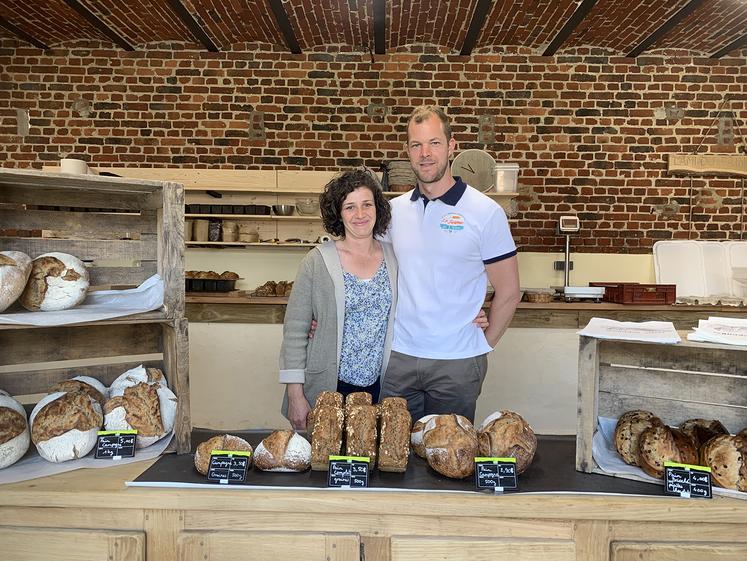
506, 177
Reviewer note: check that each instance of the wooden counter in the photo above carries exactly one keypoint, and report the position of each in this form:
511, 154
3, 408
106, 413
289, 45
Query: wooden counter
90, 515
569, 315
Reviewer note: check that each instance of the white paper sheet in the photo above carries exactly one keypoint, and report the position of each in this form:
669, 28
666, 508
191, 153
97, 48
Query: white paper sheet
605, 454
648, 331
728, 331
104, 304
33, 465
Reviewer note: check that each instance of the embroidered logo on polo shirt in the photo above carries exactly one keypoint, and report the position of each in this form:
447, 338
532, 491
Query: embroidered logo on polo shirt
452, 222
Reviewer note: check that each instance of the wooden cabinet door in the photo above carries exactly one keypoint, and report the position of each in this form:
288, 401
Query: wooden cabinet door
406, 548
58, 544
267, 546
698, 551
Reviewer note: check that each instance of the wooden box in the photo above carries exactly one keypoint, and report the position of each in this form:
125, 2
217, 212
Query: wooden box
675, 382
125, 230
635, 293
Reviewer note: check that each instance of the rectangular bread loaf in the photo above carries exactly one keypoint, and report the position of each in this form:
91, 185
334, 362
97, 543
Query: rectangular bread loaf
361, 433
394, 445
326, 436
357, 398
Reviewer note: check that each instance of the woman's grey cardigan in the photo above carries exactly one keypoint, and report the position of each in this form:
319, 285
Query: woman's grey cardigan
319, 293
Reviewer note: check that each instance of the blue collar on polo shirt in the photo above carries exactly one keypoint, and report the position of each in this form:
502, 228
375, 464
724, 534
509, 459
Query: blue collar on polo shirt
451, 197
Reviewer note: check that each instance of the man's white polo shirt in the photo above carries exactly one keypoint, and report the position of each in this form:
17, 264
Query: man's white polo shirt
442, 247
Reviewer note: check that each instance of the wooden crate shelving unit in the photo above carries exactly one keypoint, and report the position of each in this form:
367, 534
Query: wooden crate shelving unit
675, 382
125, 230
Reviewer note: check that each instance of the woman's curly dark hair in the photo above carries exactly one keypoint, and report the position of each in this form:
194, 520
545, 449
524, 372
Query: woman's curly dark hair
330, 201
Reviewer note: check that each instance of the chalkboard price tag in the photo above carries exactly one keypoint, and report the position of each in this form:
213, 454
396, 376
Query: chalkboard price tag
498, 474
228, 466
683, 480
348, 472
115, 444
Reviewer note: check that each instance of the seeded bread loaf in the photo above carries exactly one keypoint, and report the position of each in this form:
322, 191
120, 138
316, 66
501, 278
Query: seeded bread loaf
14, 430
357, 398
283, 450
361, 432
220, 442
660, 443
628, 431
394, 445
326, 436
416, 436
506, 434
389, 402
333, 399
450, 445
726, 455
702, 430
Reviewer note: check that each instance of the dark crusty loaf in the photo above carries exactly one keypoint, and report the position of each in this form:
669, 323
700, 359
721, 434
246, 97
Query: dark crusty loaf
702, 430
12, 423
283, 450
361, 432
221, 442
451, 445
726, 455
506, 434
416, 436
394, 445
326, 436
628, 431
79, 386
143, 408
659, 444
70, 411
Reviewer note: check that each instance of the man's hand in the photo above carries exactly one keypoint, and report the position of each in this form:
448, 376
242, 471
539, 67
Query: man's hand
481, 320
298, 407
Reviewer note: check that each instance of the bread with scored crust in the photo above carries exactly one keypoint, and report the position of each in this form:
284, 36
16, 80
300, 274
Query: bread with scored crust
506, 434
451, 445
726, 455
226, 442
628, 431
283, 450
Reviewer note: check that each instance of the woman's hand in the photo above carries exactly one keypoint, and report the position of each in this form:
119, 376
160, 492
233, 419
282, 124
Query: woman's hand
298, 407
481, 320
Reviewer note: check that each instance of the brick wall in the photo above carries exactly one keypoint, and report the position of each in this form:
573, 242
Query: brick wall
589, 130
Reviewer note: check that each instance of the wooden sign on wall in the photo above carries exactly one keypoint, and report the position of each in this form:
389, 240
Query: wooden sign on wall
727, 164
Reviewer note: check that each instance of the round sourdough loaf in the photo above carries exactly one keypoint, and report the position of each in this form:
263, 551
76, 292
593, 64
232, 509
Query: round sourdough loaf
64, 425
283, 450
86, 384
14, 430
450, 445
416, 435
628, 431
506, 434
221, 442
15, 268
58, 281
726, 455
148, 408
135, 376
702, 430
659, 444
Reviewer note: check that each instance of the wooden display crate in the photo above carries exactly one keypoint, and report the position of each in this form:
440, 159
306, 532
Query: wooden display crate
636, 293
675, 382
124, 229
35, 358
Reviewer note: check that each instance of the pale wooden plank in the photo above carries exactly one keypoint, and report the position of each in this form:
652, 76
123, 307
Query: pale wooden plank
342, 547
162, 528
236, 313
118, 276
676, 532
171, 248
672, 412
37, 544
86, 250
265, 546
85, 224
93, 518
592, 539
63, 197
23, 346
376, 548
588, 387
480, 549
155, 316
712, 551
192, 546
41, 179
729, 164
176, 365
302, 180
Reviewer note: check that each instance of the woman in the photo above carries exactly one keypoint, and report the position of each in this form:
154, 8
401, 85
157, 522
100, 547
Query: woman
349, 287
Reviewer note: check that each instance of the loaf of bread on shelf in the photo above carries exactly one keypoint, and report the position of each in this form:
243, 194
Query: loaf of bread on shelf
64, 425
149, 408
726, 455
58, 281
326, 435
283, 450
14, 430
505, 434
229, 275
451, 445
660, 443
85, 384
226, 442
702, 430
361, 432
135, 376
628, 431
394, 444
15, 268
416, 435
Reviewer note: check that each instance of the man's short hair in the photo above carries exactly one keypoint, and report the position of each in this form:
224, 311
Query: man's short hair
424, 112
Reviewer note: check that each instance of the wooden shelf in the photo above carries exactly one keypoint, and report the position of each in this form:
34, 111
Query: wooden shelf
294, 218
249, 244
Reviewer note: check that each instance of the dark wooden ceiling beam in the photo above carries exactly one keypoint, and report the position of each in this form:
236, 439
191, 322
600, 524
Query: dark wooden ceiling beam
475, 26
94, 20
666, 27
193, 25
285, 26
738, 43
379, 13
578, 16
21, 34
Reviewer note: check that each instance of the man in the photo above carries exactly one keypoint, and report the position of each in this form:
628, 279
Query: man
449, 240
